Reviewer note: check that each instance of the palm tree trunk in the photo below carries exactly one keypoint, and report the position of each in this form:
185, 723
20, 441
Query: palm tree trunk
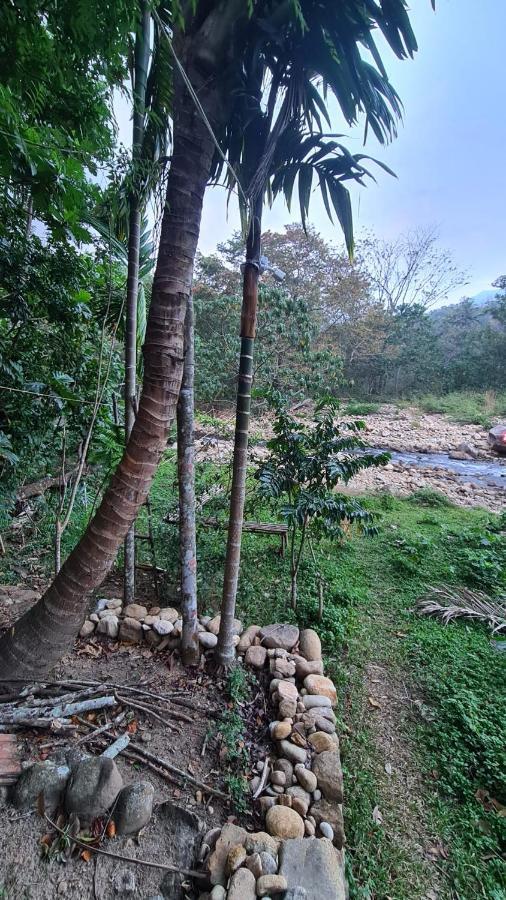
36, 642
186, 482
134, 238
225, 650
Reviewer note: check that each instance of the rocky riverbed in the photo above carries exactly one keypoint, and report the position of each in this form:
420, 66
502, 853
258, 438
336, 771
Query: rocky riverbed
428, 451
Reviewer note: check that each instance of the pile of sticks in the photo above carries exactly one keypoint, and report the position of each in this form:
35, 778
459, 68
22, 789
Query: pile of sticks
58, 707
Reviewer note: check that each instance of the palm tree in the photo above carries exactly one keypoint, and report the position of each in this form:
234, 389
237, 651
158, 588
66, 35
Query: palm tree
206, 44
275, 135
140, 77
215, 45
186, 483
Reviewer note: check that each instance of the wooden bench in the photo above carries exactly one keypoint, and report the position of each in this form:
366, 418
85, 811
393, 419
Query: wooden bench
253, 528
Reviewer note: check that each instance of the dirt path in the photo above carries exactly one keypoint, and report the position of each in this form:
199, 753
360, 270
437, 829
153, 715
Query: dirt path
402, 792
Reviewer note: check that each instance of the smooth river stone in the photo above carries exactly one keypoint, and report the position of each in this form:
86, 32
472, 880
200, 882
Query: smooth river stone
311, 701
321, 686
293, 753
310, 645
283, 822
280, 635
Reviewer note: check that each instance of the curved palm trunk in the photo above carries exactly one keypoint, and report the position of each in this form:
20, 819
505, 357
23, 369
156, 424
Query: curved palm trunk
134, 240
186, 483
225, 651
36, 642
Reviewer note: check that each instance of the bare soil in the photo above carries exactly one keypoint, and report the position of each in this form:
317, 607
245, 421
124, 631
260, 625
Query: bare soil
188, 742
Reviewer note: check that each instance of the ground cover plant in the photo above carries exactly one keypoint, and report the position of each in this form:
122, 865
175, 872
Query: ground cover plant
470, 407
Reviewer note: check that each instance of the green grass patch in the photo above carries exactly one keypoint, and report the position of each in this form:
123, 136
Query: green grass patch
360, 408
468, 407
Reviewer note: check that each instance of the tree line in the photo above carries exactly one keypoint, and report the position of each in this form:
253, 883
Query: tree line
369, 327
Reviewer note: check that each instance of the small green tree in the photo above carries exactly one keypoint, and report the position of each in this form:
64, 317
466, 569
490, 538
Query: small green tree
307, 461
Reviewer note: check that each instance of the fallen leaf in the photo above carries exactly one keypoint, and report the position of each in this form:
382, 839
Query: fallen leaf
86, 855
437, 851
374, 702
490, 804
132, 727
111, 829
376, 816
388, 768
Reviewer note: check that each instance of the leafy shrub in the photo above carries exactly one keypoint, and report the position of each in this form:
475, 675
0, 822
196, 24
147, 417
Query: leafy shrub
305, 465
360, 408
427, 496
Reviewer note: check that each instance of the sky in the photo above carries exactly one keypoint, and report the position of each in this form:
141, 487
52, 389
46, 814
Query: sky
448, 156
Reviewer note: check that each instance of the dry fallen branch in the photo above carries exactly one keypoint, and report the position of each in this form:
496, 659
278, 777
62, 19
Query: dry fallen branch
126, 701
189, 873
164, 764
447, 603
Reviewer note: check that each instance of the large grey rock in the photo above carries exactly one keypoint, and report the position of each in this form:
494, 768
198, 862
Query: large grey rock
280, 635
135, 611
327, 768
182, 831
314, 865
93, 788
134, 807
44, 778
207, 640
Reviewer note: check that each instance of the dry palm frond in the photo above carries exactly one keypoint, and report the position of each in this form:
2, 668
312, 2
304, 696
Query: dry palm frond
449, 603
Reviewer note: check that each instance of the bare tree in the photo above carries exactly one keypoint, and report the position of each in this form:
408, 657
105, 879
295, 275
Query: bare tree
411, 270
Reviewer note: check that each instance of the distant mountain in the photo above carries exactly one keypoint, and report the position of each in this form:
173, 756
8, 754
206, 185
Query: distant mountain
480, 301
484, 297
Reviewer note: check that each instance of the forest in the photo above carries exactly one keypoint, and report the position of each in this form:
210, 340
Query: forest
192, 443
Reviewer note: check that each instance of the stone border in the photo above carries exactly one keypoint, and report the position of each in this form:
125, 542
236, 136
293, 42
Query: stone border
298, 789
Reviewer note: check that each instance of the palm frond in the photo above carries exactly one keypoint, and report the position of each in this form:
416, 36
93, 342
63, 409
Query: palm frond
447, 603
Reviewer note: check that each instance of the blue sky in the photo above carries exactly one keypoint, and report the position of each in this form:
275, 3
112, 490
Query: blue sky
449, 155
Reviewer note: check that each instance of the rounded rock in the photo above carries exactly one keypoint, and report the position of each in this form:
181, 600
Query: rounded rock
268, 863
87, 628
280, 730
255, 657
271, 884
135, 611
310, 645
321, 686
327, 830
109, 626
280, 635
306, 778
207, 640
134, 807
284, 823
